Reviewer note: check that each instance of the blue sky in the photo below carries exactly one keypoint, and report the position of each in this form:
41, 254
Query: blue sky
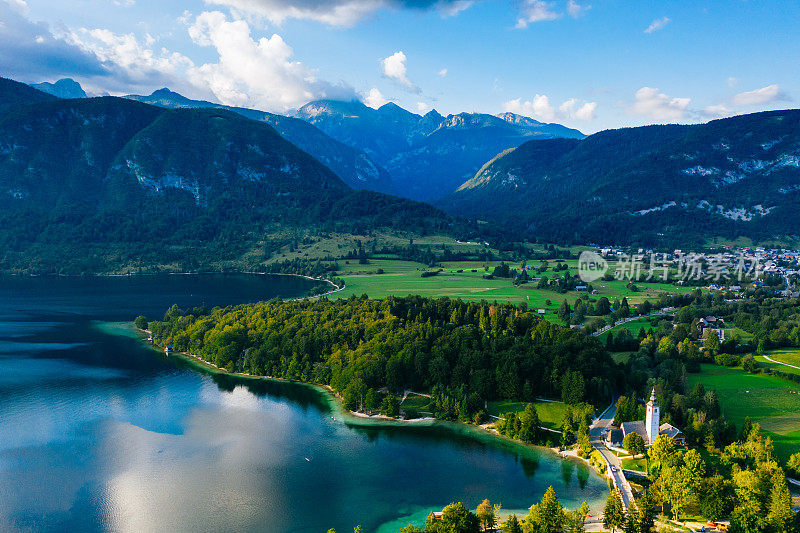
590, 64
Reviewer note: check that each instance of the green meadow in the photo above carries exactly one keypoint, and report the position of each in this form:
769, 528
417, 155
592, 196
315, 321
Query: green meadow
551, 414
639, 464
772, 402
383, 277
764, 363
789, 356
634, 326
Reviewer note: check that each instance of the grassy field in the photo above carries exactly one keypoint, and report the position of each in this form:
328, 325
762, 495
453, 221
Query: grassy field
634, 326
551, 414
333, 245
401, 278
762, 362
772, 402
416, 402
743, 335
787, 355
639, 464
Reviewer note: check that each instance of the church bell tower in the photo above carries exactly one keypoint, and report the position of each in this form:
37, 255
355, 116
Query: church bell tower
651, 421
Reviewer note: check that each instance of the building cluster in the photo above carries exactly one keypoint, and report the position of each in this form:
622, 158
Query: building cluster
649, 428
732, 270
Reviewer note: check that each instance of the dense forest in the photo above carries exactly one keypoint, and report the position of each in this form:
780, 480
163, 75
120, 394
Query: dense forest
462, 353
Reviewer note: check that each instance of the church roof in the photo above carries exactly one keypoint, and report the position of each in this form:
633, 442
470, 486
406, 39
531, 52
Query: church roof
614, 435
637, 426
669, 430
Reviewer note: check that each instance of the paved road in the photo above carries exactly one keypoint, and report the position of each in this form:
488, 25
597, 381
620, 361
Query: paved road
614, 465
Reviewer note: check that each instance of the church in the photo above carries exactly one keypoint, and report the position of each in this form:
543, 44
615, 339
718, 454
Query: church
648, 429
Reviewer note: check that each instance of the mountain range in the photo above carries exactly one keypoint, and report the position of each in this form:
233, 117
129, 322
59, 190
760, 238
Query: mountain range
95, 182
166, 169
352, 165
387, 150
738, 176
427, 156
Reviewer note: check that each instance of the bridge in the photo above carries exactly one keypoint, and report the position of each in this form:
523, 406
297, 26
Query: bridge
613, 464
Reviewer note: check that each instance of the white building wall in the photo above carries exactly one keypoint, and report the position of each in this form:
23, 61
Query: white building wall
652, 419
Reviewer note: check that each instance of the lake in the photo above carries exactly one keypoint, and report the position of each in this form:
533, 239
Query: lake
99, 432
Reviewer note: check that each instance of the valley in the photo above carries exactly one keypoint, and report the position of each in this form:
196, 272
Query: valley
454, 253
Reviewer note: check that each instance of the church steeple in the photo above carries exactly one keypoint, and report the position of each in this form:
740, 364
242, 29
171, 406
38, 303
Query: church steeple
651, 423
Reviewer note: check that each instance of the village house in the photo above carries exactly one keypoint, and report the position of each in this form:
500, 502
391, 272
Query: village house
711, 323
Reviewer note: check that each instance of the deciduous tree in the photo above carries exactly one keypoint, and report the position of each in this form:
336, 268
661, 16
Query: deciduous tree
486, 515
634, 444
613, 512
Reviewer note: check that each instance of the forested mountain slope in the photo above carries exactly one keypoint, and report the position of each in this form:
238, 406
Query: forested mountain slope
99, 184
354, 166
733, 177
13, 93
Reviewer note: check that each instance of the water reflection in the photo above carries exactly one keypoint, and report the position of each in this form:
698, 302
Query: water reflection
98, 432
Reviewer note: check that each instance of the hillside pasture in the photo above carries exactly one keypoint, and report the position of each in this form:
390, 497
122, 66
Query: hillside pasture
772, 402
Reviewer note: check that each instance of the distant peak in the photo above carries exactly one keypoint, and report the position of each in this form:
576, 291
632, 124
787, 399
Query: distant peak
518, 119
164, 91
391, 107
63, 88
317, 108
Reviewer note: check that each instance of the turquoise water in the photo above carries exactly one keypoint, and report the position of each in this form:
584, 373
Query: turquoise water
98, 432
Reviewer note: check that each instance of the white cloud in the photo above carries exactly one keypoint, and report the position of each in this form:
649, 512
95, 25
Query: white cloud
764, 95
575, 9
574, 110
535, 11
336, 12
138, 62
453, 8
185, 18
260, 74
375, 99
394, 68
657, 24
717, 111
732, 82
20, 6
539, 107
31, 52
442, 73
423, 107
658, 106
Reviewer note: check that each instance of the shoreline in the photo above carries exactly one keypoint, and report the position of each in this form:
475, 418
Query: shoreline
362, 419
335, 288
